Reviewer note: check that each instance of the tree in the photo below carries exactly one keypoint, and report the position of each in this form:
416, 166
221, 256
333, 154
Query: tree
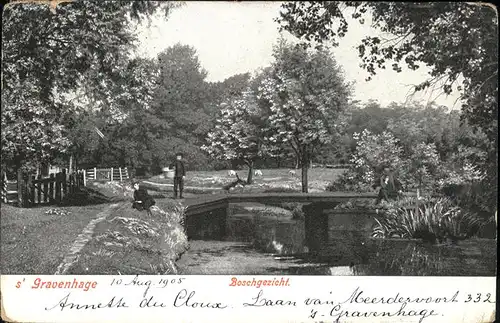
51, 52
121, 109
31, 133
180, 102
423, 166
238, 132
307, 93
457, 41
453, 39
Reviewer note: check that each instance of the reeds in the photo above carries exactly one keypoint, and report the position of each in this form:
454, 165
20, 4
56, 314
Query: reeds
434, 221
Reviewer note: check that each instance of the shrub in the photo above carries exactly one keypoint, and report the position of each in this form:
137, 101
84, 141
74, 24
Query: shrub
349, 181
434, 221
471, 187
421, 168
375, 152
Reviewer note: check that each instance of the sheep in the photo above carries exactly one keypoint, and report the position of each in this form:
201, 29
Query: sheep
231, 173
238, 183
291, 172
258, 172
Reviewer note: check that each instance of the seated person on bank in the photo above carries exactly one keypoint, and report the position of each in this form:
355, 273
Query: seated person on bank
142, 200
390, 186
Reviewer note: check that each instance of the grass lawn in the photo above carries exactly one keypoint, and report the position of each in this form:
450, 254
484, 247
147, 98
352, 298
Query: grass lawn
271, 179
35, 242
126, 241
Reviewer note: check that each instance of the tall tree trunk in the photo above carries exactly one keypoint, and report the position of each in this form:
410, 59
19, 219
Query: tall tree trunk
305, 184
20, 187
250, 172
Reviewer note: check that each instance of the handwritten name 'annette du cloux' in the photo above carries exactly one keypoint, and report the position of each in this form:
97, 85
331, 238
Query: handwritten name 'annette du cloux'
334, 305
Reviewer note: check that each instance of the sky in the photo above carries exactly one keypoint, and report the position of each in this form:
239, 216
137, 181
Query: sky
237, 37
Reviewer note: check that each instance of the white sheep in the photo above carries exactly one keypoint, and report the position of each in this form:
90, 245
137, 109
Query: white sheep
291, 172
258, 172
231, 173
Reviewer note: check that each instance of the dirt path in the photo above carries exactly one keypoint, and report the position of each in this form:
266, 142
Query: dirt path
82, 239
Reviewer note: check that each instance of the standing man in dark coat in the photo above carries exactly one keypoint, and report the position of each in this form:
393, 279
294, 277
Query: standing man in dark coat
179, 174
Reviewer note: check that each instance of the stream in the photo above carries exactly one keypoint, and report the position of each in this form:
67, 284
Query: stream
266, 240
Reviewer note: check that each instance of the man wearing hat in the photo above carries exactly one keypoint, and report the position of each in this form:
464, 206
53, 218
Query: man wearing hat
179, 174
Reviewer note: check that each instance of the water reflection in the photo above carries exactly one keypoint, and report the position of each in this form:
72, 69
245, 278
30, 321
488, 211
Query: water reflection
353, 253
273, 243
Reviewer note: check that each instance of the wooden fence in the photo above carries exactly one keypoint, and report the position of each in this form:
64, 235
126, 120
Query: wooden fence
32, 191
9, 190
107, 174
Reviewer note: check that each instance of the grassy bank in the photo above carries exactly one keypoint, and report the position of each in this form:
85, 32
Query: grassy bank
35, 240
105, 238
132, 242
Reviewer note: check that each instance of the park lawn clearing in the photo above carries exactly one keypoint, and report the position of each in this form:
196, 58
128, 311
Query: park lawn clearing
271, 180
35, 242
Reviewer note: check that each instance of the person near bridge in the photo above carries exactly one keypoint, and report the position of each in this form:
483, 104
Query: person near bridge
390, 186
179, 175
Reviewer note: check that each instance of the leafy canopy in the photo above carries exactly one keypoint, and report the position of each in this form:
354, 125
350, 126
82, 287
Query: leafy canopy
458, 41
307, 95
48, 54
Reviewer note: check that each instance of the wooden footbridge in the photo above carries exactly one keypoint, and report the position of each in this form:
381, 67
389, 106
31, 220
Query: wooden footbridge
206, 203
206, 215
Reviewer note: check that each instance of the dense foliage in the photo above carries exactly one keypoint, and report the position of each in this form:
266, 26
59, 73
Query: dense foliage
46, 54
72, 88
238, 132
307, 93
456, 41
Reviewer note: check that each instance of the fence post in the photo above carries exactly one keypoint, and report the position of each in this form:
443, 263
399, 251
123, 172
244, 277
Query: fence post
19, 187
72, 183
111, 174
58, 187
25, 191
95, 173
4, 187
84, 178
39, 187
32, 190
78, 179
45, 189
51, 186
64, 183
121, 177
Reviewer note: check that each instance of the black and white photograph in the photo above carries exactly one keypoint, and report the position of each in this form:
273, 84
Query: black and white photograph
249, 138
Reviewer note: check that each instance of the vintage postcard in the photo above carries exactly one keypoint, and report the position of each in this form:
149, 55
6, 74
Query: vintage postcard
249, 161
